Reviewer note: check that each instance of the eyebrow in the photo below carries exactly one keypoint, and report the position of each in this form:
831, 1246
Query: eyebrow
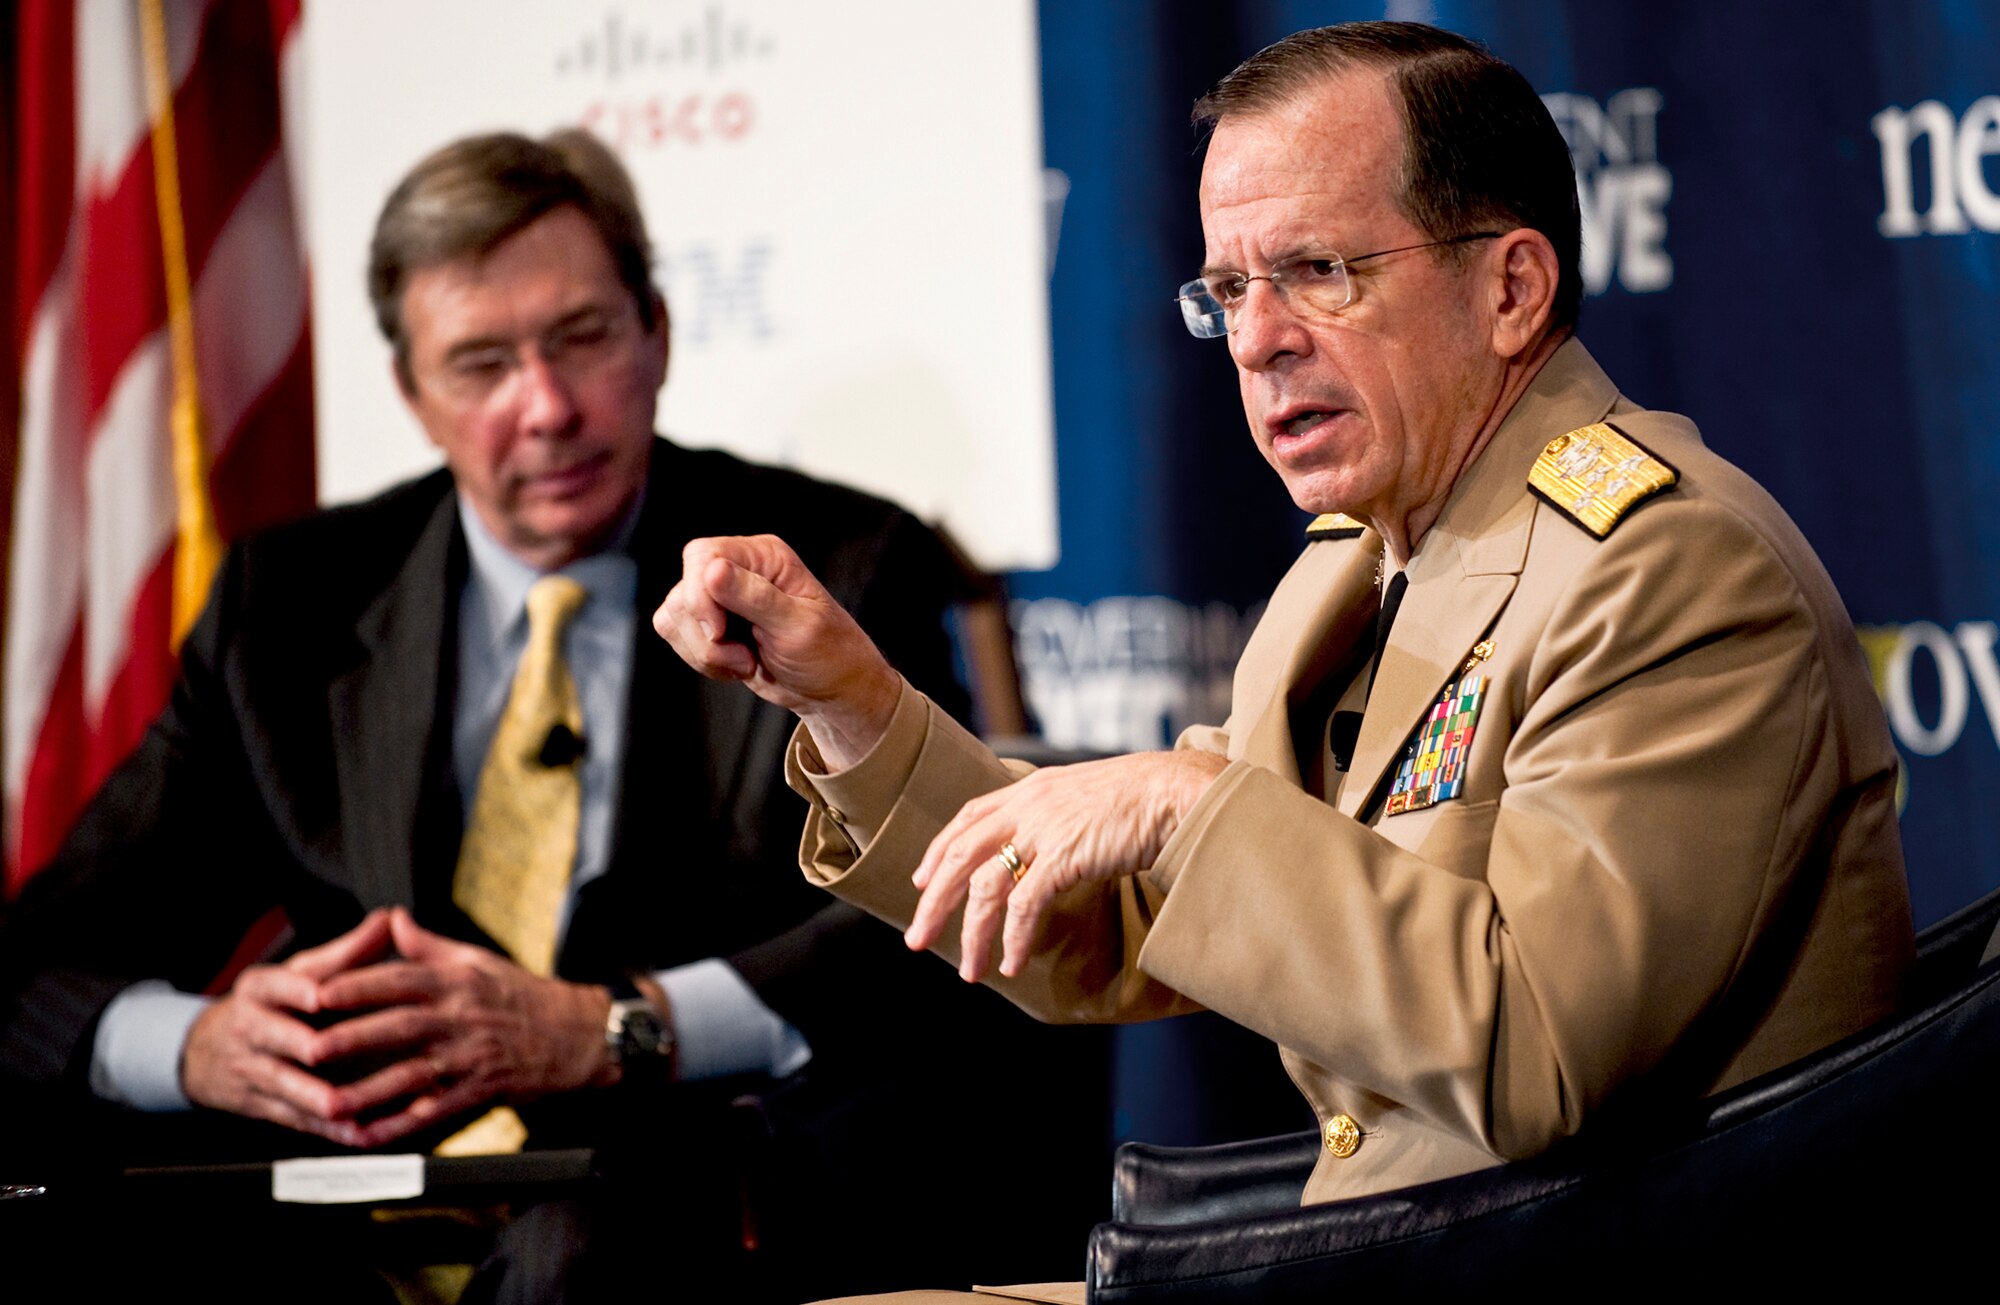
481, 343
1290, 255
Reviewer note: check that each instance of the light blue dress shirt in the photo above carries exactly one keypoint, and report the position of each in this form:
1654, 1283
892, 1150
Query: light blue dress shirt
721, 1025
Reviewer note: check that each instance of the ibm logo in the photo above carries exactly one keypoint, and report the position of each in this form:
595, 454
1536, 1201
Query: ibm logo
1955, 154
720, 293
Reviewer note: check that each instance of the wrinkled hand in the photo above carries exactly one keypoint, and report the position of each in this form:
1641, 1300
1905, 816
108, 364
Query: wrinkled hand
805, 654
1069, 825
249, 1053
462, 1028
447, 1026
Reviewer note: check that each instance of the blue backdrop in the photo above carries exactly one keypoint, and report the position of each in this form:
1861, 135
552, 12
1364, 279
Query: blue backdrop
1790, 229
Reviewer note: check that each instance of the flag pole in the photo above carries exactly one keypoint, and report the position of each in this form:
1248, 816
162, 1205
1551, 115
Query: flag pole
197, 544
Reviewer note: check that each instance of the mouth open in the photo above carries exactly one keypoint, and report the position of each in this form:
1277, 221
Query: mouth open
1299, 432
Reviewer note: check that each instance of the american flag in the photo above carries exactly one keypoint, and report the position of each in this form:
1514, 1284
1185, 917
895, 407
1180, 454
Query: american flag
162, 356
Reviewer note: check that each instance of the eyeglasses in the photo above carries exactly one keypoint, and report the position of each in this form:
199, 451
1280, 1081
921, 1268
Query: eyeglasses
1320, 281
575, 347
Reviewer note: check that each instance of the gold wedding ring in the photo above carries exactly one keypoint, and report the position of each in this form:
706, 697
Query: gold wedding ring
1012, 860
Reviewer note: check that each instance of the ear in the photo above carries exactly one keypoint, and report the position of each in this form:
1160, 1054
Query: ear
406, 387
1524, 290
399, 371
662, 327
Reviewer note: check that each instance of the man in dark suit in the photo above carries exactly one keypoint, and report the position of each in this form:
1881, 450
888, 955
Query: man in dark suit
343, 702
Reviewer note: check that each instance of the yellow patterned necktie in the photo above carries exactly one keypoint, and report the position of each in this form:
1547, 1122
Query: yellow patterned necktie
520, 843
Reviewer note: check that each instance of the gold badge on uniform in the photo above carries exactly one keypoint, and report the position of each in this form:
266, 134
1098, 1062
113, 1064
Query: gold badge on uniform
1332, 525
1595, 475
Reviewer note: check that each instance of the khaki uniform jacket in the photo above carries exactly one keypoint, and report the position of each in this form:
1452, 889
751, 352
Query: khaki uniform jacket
1674, 863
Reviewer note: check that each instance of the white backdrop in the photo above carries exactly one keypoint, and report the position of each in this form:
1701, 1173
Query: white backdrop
846, 201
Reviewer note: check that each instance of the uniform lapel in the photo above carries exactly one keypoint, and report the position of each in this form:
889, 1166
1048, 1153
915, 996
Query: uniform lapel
1335, 585
1466, 568
1443, 615
386, 712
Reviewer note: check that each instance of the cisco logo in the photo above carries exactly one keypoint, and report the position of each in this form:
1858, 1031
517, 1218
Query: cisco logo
1951, 151
622, 46
681, 86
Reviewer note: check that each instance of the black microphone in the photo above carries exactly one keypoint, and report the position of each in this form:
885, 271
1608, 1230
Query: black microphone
1341, 736
563, 747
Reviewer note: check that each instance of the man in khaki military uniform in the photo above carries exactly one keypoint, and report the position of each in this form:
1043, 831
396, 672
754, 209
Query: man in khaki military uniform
1553, 775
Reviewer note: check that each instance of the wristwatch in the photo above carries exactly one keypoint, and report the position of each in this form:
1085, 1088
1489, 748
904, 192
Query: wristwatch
639, 1038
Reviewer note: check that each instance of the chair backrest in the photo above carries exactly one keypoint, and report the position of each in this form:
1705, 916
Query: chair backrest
1949, 951
1873, 1137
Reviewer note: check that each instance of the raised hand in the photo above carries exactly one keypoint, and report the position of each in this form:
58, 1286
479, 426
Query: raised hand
792, 644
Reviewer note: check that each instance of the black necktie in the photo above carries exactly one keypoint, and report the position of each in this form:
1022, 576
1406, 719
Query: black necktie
1344, 730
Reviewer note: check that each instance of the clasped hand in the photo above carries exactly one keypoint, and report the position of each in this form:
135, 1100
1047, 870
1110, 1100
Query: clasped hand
428, 1028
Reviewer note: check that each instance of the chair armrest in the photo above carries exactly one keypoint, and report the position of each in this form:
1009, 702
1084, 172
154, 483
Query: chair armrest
1871, 1138
1196, 1184
1950, 950
1300, 1254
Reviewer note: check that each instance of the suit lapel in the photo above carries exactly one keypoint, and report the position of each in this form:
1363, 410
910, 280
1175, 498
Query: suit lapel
669, 704
387, 712
682, 734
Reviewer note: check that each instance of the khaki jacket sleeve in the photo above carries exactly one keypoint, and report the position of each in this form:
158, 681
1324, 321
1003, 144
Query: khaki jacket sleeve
869, 826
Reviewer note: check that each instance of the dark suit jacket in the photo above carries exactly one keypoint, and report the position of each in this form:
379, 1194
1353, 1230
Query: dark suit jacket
304, 763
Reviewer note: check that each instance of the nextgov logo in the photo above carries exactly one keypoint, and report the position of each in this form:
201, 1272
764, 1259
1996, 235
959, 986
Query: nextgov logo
1937, 158
1622, 187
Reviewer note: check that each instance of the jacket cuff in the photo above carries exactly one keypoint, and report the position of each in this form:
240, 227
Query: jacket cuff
859, 798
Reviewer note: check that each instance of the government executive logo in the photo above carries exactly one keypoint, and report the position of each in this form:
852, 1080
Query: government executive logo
1928, 676
1126, 674
1622, 188
1945, 152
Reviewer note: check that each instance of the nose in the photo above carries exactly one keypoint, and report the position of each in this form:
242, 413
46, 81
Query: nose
1265, 328
548, 408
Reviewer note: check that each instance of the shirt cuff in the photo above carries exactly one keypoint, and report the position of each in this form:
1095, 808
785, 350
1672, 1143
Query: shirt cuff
136, 1057
721, 1027
860, 798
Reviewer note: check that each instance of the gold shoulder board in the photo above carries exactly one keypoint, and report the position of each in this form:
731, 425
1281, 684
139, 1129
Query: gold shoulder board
1332, 525
1595, 475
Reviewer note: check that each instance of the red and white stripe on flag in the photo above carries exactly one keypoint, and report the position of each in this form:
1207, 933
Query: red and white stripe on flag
89, 660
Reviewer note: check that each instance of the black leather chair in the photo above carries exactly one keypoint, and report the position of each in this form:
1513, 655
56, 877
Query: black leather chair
1866, 1161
